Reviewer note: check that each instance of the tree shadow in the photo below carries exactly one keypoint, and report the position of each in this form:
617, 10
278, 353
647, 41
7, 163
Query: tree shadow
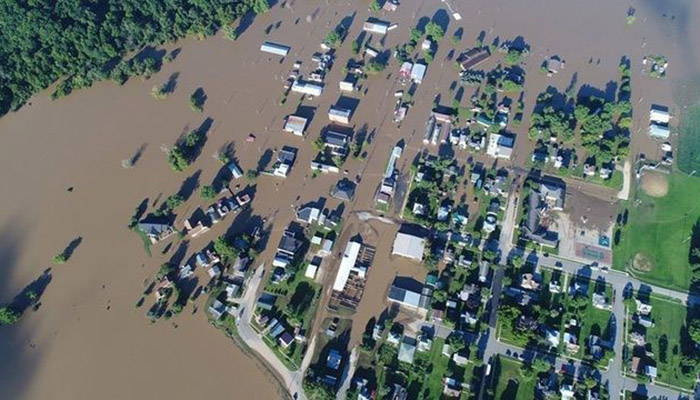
171, 83
72, 246
189, 185
137, 156
246, 21
30, 296
264, 160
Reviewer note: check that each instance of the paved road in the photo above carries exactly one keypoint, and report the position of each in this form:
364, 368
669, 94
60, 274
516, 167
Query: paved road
292, 379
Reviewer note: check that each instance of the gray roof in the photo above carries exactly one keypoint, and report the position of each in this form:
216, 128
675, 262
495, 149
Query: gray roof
289, 244
408, 292
154, 226
410, 246
407, 350
335, 139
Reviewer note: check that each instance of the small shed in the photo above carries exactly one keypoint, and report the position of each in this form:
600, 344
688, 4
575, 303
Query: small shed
346, 86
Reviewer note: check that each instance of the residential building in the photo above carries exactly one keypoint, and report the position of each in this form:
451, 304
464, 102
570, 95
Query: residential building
156, 228
407, 350
295, 124
340, 115
376, 26
473, 57
418, 72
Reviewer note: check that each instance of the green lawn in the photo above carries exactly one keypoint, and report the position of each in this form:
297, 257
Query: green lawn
669, 321
659, 229
509, 385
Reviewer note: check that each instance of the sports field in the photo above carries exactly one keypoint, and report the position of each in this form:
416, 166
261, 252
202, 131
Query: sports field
655, 243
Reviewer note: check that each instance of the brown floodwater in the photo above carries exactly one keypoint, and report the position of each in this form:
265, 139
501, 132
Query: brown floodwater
88, 340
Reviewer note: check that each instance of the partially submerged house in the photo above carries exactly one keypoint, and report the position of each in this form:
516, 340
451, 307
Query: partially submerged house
548, 197
156, 228
473, 57
340, 115
295, 124
418, 72
376, 26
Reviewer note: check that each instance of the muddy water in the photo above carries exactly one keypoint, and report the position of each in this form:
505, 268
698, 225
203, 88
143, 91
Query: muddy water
88, 340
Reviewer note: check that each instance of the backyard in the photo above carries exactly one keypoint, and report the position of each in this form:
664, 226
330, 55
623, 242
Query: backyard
664, 224
665, 337
508, 383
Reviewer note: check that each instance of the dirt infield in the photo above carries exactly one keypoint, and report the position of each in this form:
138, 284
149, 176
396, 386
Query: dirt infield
655, 184
641, 263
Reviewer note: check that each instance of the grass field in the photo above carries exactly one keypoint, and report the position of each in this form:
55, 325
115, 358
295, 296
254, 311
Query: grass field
689, 140
669, 321
658, 232
509, 385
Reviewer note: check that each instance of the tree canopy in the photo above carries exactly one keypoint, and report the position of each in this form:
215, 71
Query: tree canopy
44, 41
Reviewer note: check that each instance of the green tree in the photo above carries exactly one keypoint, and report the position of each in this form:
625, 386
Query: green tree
251, 175
434, 31
374, 6
332, 39
260, 6
8, 316
59, 258
374, 67
225, 250
174, 201
207, 192
230, 32
177, 159
694, 330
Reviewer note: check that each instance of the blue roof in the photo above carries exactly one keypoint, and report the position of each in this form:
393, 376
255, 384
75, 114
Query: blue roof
507, 141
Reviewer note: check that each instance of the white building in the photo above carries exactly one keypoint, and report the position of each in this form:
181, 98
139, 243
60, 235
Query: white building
659, 131
409, 246
418, 72
500, 146
659, 114
347, 265
275, 48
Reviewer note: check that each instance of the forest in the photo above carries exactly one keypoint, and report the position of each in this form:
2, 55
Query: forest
81, 42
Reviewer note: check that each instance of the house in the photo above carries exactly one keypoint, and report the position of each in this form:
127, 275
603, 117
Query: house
285, 160
326, 247
407, 350
340, 115
346, 85
500, 145
645, 321
344, 190
234, 169
266, 301
394, 338
295, 124
554, 65
553, 195
286, 249
308, 214
552, 337
399, 393
337, 142
451, 387
589, 169
418, 72
418, 209
650, 371
217, 309
390, 5
599, 301
410, 246
643, 308
567, 392
285, 339
473, 57
526, 323
155, 228
376, 26
426, 45
529, 281
311, 271
409, 293
275, 48
459, 359
310, 88
637, 338
334, 359
424, 343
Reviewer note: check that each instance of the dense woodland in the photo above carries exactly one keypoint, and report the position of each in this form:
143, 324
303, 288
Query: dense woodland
80, 42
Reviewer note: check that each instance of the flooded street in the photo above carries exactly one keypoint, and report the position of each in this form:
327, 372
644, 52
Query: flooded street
88, 339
